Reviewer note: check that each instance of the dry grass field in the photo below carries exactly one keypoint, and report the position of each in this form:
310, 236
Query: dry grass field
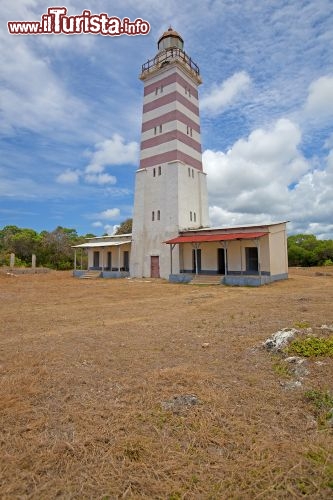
91, 372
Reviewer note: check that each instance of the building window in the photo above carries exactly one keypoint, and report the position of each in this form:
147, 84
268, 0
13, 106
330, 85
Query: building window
192, 173
153, 216
194, 217
156, 90
188, 91
160, 128
158, 215
191, 216
189, 172
155, 130
154, 172
159, 170
161, 88
190, 132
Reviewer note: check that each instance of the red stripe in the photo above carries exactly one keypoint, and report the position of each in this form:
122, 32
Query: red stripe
168, 80
170, 136
169, 98
174, 155
170, 117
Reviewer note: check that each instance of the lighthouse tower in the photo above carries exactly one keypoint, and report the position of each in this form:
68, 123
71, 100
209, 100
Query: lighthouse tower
170, 185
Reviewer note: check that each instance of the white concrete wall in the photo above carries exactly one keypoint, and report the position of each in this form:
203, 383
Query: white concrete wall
278, 249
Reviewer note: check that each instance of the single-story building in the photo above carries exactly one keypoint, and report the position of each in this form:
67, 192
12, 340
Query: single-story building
108, 254
242, 255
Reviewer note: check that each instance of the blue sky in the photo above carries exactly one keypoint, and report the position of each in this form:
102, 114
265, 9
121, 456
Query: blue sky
70, 113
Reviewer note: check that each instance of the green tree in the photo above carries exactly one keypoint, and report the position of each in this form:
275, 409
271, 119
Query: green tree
125, 227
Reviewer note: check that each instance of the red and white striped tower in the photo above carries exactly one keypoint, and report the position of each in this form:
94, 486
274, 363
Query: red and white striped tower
170, 187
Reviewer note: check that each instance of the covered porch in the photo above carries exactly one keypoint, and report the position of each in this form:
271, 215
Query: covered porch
110, 258
239, 258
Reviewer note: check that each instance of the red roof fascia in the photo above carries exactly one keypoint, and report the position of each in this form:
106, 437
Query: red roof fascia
197, 238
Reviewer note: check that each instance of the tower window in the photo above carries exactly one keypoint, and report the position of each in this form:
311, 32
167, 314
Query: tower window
160, 128
154, 172
159, 170
153, 216
194, 217
158, 215
155, 130
156, 90
161, 88
189, 172
192, 173
190, 216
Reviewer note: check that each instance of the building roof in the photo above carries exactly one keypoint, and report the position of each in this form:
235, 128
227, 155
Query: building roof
228, 228
98, 244
197, 238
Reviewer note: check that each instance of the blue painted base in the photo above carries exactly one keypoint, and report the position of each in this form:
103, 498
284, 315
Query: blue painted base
233, 279
180, 278
105, 274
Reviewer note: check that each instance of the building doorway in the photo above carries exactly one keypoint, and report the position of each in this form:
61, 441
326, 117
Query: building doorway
126, 260
220, 261
194, 264
109, 264
154, 266
96, 260
251, 255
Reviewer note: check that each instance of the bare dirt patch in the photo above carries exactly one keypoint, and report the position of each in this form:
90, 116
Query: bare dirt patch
88, 369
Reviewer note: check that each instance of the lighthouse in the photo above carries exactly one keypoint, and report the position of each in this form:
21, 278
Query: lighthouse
170, 185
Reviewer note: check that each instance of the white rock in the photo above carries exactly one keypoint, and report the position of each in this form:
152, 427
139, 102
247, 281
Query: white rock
280, 339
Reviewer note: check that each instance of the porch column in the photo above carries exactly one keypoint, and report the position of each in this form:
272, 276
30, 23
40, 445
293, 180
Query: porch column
241, 256
102, 252
75, 259
225, 247
81, 254
172, 246
196, 246
257, 240
118, 258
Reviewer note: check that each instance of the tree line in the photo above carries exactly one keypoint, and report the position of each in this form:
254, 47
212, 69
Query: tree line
54, 249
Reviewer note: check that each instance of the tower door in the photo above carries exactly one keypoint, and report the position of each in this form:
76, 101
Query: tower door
154, 266
220, 261
194, 267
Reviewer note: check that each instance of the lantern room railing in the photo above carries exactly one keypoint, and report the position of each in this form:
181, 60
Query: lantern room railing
167, 56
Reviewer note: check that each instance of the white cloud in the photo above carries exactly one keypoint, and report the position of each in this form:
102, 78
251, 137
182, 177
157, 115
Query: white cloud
110, 213
112, 151
100, 179
97, 224
69, 177
250, 182
267, 158
110, 229
221, 96
319, 103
